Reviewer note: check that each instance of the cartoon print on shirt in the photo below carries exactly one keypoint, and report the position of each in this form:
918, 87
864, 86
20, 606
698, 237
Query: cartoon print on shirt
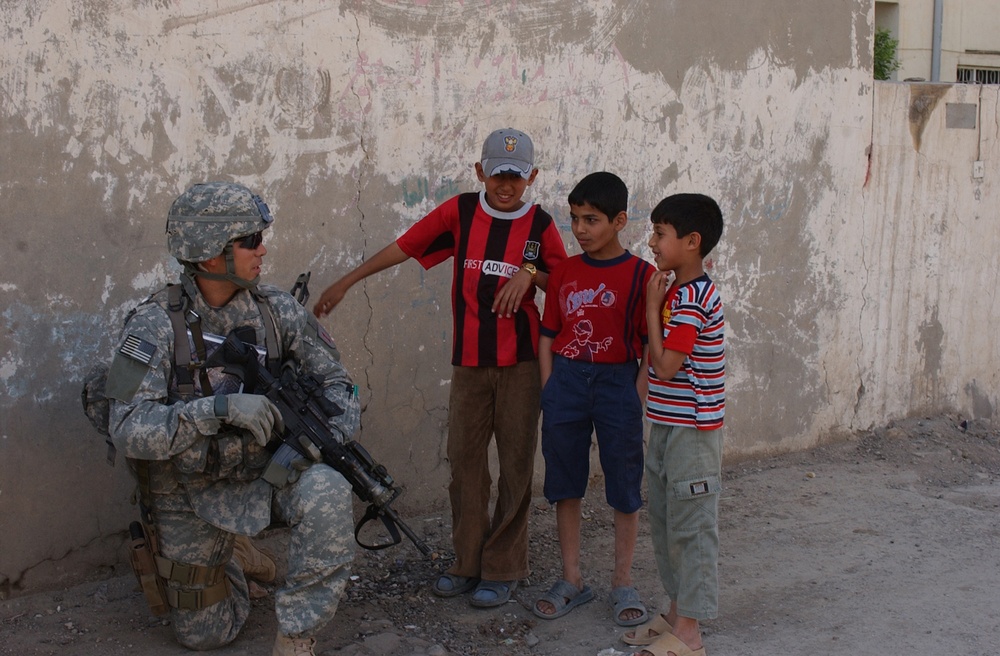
576, 302
584, 344
601, 297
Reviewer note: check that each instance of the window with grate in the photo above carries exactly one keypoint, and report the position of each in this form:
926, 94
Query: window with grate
972, 75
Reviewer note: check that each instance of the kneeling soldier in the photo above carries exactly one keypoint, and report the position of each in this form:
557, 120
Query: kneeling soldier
195, 442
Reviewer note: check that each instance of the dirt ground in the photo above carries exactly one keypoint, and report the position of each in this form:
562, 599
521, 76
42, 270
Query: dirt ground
885, 544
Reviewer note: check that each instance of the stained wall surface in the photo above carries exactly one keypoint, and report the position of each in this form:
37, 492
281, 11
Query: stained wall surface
854, 265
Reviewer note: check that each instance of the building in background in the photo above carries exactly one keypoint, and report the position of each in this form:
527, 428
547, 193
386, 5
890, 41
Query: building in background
944, 40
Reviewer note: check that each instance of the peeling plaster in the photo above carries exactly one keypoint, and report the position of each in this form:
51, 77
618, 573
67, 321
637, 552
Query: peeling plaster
789, 36
150, 281
9, 365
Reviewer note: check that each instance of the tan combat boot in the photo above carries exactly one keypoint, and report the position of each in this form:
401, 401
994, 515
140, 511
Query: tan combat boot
255, 563
286, 646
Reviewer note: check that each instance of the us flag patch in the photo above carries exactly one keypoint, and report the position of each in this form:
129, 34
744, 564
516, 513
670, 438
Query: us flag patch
137, 349
325, 336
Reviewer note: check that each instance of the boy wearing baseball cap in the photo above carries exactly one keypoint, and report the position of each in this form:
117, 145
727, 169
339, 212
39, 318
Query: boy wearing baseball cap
503, 249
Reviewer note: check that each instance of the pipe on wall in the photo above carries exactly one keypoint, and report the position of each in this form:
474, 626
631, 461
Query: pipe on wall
936, 41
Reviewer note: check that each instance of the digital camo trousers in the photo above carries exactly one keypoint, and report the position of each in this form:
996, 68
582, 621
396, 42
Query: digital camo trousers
318, 509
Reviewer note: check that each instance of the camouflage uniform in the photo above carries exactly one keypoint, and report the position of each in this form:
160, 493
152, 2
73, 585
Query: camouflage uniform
204, 481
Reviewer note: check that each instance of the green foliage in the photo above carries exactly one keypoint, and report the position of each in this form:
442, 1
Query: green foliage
886, 61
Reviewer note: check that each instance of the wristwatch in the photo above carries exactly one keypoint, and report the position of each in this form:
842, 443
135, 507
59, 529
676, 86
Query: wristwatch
530, 268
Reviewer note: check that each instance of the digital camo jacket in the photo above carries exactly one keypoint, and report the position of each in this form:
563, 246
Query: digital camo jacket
193, 459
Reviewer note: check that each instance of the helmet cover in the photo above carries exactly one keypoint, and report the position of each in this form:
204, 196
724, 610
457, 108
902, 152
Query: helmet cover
209, 215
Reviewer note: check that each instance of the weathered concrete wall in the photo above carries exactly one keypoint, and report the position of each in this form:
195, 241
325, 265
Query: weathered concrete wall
927, 278
354, 120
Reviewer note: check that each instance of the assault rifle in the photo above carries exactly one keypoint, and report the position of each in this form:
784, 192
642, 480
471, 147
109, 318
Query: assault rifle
306, 412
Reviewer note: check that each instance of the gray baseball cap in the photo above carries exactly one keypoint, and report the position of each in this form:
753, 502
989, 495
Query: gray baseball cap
508, 150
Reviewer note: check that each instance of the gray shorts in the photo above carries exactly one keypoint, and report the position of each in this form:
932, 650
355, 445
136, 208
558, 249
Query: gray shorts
684, 478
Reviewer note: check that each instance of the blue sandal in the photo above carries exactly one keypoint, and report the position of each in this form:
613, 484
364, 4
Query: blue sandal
625, 598
490, 594
450, 585
564, 597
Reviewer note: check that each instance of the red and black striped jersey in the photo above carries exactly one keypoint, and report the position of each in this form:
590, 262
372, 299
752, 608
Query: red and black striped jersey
488, 248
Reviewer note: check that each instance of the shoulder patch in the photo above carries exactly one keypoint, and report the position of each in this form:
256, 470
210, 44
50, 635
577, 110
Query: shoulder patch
325, 336
313, 327
124, 378
138, 349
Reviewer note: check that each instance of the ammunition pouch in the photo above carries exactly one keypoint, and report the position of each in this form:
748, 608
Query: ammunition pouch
153, 571
229, 455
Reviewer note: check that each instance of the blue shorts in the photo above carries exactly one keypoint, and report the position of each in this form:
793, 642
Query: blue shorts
579, 399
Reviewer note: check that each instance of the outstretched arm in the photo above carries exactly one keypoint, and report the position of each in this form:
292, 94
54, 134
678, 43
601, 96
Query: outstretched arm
389, 256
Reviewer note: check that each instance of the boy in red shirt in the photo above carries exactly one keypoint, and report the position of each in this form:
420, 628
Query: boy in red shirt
592, 356
502, 249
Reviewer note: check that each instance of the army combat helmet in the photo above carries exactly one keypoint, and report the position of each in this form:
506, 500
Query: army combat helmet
204, 221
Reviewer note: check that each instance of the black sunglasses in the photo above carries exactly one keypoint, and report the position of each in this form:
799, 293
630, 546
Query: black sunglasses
251, 242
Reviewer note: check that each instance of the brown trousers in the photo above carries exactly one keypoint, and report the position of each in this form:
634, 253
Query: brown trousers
488, 401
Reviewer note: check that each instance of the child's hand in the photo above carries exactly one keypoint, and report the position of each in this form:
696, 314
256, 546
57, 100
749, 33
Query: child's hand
329, 299
656, 290
510, 294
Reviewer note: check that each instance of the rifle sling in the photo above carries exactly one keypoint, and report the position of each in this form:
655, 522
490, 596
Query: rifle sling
270, 335
182, 349
194, 324
373, 513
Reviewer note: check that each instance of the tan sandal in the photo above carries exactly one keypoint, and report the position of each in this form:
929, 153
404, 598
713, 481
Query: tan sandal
649, 632
670, 644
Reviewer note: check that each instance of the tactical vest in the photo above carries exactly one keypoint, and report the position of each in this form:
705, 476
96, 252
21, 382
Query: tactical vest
185, 322
185, 367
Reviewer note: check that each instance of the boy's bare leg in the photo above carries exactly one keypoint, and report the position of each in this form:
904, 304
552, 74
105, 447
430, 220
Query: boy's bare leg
626, 534
568, 528
568, 524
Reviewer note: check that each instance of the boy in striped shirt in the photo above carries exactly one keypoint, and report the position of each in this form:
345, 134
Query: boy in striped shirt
685, 406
